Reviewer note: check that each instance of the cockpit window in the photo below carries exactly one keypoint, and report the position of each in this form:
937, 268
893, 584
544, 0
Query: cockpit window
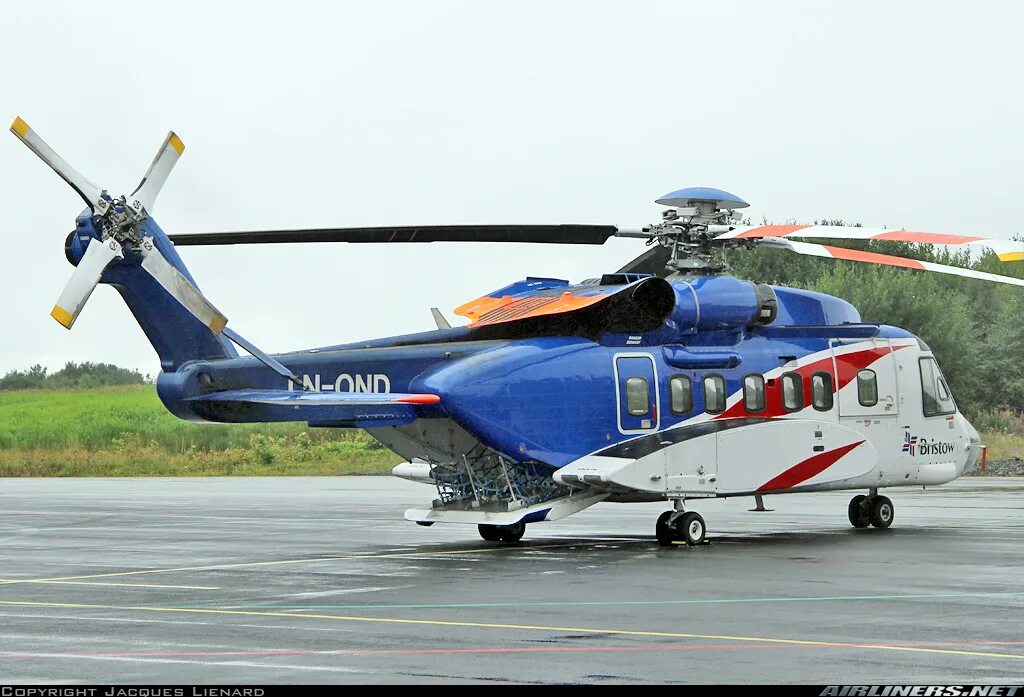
935, 396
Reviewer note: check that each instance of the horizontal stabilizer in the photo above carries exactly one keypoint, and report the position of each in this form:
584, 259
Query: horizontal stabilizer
353, 409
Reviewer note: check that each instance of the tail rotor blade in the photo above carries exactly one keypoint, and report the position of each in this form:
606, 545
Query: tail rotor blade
148, 189
83, 281
175, 283
89, 192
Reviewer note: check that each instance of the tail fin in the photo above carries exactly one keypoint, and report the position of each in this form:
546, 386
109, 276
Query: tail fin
175, 332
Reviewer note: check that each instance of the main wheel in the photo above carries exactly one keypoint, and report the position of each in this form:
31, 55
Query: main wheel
491, 533
665, 533
690, 528
512, 533
859, 515
882, 512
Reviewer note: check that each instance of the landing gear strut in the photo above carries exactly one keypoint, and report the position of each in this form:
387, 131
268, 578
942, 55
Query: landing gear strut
680, 526
871, 510
502, 533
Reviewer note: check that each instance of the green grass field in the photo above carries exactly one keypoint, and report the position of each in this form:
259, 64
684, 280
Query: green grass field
125, 432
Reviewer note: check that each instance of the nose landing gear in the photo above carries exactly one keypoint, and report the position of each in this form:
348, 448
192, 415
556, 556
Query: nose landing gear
871, 510
680, 525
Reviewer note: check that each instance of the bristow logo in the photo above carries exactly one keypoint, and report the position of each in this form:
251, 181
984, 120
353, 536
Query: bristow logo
925, 447
909, 442
372, 382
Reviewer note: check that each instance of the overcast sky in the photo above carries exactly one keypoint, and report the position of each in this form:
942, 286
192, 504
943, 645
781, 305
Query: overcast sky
303, 114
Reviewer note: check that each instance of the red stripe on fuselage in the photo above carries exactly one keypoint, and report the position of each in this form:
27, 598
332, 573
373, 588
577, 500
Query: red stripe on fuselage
847, 365
803, 471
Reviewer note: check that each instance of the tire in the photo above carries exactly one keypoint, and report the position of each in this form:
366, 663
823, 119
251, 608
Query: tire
882, 512
666, 535
491, 533
690, 528
859, 516
512, 533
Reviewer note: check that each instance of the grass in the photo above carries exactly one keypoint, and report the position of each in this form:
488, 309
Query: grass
125, 431
1002, 431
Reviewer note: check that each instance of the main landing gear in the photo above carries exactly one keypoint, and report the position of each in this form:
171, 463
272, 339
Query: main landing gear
680, 525
502, 533
871, 510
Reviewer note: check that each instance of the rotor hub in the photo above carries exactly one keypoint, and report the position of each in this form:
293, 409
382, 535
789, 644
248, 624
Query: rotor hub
689, 225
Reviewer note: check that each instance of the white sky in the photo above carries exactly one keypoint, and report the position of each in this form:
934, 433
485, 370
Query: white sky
304, 114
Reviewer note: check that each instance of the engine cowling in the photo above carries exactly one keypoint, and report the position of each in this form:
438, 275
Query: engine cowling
717, 303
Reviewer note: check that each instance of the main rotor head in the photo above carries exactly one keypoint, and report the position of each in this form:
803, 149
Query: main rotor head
689, 225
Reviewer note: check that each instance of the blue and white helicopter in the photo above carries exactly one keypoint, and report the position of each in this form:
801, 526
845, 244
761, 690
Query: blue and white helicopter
666, 380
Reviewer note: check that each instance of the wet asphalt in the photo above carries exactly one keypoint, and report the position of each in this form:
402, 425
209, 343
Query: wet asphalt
309, 580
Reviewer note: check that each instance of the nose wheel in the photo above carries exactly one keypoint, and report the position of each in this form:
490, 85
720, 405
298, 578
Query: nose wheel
871, 510
676, 526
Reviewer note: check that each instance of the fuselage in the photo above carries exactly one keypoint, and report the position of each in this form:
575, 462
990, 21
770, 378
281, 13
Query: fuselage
711, 403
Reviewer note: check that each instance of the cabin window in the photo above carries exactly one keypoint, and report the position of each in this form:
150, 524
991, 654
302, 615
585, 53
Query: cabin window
934, 390
821, 391
792, 392
680, 395
867, 388
714, 394
637, 397
753, 393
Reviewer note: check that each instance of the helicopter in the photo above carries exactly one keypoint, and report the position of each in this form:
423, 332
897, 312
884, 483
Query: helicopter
666, 380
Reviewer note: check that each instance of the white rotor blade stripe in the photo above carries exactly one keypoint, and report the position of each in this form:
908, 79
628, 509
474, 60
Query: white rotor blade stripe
83, 281
85, 188
1007, 250
175, 283
147, 190
820, 250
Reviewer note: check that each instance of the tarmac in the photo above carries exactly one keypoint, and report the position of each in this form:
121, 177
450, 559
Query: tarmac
320, 580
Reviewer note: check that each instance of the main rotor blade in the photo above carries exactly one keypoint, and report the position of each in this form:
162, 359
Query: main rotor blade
147, 190
89, 192
84, 280
1006, 250
820, 250
175, 283
653, 261
551, 234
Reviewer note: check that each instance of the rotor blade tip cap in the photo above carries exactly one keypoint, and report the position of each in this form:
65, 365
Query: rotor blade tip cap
176, 143
19, 127
218, 323
63, 316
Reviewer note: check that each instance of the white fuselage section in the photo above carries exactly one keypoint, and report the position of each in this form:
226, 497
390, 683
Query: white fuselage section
873, 433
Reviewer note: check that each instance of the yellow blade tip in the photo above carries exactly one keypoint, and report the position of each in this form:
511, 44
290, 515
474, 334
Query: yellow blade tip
1012, 256
19, 127
176, 143
63, 316
218, 323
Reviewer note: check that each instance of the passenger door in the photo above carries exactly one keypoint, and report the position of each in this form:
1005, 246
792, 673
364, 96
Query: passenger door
636, 393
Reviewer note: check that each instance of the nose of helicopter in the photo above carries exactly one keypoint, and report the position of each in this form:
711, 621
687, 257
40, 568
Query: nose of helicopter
974, 448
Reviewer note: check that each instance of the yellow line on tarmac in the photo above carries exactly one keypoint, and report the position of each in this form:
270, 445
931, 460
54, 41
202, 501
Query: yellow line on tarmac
528, 627
308, 560
9, 581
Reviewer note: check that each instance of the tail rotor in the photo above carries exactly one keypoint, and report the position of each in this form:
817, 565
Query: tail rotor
117, 233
